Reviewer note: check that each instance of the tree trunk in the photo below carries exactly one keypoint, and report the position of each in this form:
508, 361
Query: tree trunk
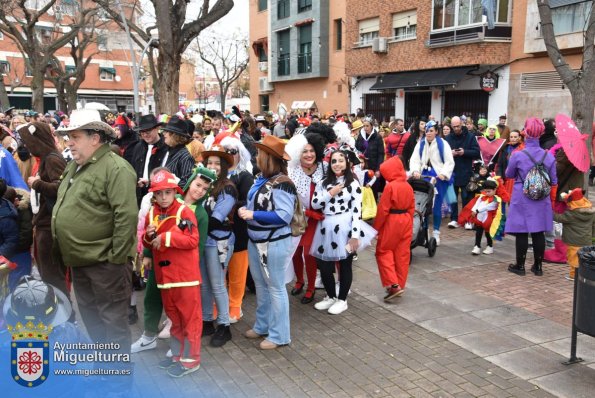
222, 95
583, 103
37, 90
71, 98
61, 95
4, 101
168, 85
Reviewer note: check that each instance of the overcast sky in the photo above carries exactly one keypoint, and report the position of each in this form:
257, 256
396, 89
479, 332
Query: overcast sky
236, 19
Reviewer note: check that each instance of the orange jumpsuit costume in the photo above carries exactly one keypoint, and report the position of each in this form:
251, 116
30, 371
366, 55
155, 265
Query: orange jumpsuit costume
177, 274
394, 223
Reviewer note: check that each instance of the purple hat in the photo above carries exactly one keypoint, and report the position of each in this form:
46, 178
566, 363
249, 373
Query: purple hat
534, 127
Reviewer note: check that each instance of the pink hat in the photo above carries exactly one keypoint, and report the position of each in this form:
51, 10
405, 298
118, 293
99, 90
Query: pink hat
534, 127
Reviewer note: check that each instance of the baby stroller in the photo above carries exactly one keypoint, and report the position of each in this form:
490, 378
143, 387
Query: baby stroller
424, 197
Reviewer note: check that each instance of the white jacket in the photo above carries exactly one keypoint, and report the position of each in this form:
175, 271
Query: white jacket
431, 152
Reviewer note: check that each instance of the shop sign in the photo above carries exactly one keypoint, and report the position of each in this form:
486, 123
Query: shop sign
488, 81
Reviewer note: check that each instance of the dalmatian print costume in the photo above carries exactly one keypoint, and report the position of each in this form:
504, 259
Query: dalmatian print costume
342, 221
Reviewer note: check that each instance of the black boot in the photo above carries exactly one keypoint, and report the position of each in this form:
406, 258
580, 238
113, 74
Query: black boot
519, 267
536, 268
222, 335
132, 315
207, 328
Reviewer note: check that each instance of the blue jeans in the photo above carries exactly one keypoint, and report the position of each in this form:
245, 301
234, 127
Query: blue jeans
213, 285
272, 303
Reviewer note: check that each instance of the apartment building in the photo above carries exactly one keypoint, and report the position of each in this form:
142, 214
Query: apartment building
298, 56
412, 58
535, 88
109, 77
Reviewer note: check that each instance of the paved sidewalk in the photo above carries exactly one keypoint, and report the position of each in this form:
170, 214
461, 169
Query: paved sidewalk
464, 328
521, 324
369, 351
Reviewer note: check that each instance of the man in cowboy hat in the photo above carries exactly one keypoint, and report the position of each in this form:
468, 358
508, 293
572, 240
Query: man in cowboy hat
94, 227
148, 153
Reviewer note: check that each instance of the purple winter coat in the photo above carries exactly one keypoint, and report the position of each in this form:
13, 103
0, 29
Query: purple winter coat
525, 215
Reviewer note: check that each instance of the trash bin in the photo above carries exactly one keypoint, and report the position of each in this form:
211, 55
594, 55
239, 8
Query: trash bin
585, 291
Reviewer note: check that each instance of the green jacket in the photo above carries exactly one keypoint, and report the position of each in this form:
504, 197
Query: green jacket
95, 215
579, 226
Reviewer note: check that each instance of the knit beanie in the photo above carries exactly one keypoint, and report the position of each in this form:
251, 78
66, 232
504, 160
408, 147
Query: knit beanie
483, 122
534, 127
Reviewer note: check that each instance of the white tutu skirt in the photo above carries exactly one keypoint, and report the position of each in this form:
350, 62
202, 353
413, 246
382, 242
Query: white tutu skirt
332, 235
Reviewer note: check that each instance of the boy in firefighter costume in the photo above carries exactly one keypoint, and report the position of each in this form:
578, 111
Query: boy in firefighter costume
394, 223
485, 212
172, 235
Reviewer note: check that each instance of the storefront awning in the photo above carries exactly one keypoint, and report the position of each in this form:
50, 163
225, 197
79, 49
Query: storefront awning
421, 78
303, 105
107, 70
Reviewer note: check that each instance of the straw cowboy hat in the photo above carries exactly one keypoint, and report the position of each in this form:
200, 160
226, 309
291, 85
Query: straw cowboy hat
273, 146
87, 119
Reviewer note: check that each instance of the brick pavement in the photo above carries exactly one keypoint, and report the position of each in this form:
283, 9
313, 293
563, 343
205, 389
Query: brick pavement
549, 296
366, 352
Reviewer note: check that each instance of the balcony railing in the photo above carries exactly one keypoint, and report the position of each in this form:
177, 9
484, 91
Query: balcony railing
283, 68
305, 62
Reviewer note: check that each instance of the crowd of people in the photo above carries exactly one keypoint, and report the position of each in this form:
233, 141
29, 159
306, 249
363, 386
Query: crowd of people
194, 208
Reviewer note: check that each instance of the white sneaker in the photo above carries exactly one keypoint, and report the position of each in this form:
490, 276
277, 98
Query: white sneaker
235, 320
164, 334
338, 307
436, 235
468, 226
489, 250
143, 344
476, 250
453, 224
169, 354
325, 304
318, 283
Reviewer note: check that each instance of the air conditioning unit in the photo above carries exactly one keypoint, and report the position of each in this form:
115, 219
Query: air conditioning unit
263, 66
264, 85
380, 44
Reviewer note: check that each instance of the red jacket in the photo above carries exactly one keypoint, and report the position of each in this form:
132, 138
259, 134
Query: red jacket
176, 262
395, 144
397, 195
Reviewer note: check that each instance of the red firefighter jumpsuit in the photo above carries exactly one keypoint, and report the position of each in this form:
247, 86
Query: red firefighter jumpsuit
178, 276
394, 223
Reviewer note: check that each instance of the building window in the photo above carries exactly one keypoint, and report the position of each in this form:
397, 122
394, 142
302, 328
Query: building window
70, 69
264, 103
368, 30
44, 34
405, 25
262, 54
107, 74
572, 18
1, 36
28, 70
4, 67
283, 66
102, 42
282, 9
339, 34
454, 13
305, 54
262, 5
304, 5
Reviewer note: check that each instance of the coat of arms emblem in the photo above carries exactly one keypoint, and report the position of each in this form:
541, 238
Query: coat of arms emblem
29, 353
